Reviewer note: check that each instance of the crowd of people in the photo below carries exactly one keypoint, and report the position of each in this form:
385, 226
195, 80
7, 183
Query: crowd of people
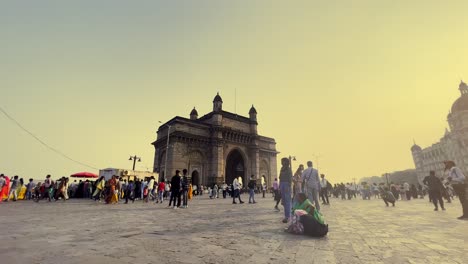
299, 191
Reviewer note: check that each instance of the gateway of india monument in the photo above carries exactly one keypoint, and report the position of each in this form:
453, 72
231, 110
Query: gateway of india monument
452, 146
215, 148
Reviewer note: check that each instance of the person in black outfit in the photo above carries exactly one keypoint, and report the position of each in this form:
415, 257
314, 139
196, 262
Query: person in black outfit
137, 191
185, 188
175, 190
435, 190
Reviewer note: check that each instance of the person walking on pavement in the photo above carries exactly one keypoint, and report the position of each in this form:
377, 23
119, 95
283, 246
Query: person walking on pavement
435, 190
13, 188
457, 179
312, 184
252, 186
324, 189
276, 194
236, 186
150, 189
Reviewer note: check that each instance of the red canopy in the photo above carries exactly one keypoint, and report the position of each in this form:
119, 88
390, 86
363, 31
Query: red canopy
84, 175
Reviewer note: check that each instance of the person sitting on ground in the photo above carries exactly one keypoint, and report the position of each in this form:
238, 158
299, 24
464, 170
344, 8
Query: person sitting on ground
303, 204
306, 219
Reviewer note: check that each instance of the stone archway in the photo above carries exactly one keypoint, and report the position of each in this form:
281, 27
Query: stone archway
265, 172
235, 166
195, 178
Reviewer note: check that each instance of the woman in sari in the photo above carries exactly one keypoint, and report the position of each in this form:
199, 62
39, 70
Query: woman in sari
113, 195
190, 192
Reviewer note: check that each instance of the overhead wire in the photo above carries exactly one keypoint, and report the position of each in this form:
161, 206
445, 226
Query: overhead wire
44, 143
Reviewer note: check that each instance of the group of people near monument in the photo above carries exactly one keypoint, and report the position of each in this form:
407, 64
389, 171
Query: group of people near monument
299, 195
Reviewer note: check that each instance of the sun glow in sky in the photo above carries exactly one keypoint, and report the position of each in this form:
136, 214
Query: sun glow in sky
352, 81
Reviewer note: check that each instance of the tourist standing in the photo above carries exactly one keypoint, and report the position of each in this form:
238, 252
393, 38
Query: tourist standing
435, 190
252, 186
175, 190
224, 188
48, 187
161, 188
214, 191
185, 188
324, 189
29, 189
312, 184
406, 186
297, 180
285, 187
457, 179
264, 189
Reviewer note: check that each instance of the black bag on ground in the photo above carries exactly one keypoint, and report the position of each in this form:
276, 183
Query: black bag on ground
312, 227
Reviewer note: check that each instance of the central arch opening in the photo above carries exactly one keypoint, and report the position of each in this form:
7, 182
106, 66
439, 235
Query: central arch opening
195, 178
235, 166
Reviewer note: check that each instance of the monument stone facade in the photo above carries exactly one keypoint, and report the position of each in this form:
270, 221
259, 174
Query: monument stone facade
215, 148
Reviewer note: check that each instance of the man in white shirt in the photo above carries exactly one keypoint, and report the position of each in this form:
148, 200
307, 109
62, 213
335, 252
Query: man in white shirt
150, 189
236, 186
457, 179
324, 190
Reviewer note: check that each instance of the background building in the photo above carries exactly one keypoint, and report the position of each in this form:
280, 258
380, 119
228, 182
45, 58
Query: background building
126, 174
452, 146
216, 147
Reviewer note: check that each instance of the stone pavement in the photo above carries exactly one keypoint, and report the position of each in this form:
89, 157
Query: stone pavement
216, 231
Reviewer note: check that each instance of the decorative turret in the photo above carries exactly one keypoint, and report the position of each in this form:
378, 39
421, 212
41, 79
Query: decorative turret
253, 113
217, 103
194, 114
415, 148
253, 120
463, 88
461, 104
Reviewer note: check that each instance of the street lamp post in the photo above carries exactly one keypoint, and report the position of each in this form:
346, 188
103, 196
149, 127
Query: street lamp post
167, 149
291, 158
386, 176
135, 159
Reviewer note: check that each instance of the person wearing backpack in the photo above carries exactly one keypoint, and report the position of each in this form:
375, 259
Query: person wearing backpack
312, 184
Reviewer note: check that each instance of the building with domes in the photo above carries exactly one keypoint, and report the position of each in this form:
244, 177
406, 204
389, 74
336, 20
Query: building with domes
452, 146
215, 148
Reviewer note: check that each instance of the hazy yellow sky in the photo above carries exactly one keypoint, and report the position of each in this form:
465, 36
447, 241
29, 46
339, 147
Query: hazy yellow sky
353, 81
